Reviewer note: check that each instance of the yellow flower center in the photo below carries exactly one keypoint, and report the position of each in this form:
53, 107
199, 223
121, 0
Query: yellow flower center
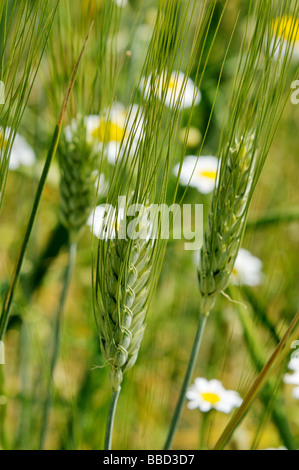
235, 272
108, 131
3, 141
172, 84
287, 28
208, 174
212, 398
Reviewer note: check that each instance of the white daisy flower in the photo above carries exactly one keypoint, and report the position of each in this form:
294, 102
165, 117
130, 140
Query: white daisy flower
102, 222
210, 394
292, 379
121, 3
101, 185
111, 128
296, 393
285, 31
199, 173
21, 153
247, 269
294, 363
180, 89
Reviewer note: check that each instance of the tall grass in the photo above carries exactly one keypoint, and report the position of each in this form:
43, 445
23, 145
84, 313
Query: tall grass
126, 271
24, 31
253, 115
127, 95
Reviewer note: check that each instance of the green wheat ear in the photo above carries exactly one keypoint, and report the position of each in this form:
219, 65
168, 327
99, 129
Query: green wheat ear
77, 159
124, 304
226, 221
254, 111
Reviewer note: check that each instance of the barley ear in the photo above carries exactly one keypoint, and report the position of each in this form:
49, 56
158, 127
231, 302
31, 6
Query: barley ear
226, 222
122, 317
77, 184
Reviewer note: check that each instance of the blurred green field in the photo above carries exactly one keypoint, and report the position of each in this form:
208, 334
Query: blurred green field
81, 385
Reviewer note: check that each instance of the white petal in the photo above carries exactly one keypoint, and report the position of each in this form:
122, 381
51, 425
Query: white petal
192, 405
21, 154
192, 169
292, 379
248, 269
294, 364
205, 406
200, 383
112, 149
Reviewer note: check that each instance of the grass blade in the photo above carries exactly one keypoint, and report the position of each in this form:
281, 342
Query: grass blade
256, 387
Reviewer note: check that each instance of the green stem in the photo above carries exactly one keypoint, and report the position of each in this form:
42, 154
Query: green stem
275, 359
9, 295
58, 322
269, 393
203, 427
52, 150
110, 420
289, 216
191, 365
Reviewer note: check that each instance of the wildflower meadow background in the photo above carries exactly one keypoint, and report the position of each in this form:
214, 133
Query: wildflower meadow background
145, 116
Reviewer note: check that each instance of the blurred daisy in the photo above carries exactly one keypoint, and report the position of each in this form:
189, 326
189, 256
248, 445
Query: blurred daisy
179, 90
199, 173
293, 379
105, 221
121, 3
102, 222
210, 394
285, 31
111, 129
101, 185
21, 152
294, 363
247, 269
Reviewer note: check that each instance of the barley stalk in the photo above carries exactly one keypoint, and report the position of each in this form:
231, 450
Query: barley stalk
127, 271
226, 222
253, 115
124, 301
52, 150
24, 32
77, 184
56, 345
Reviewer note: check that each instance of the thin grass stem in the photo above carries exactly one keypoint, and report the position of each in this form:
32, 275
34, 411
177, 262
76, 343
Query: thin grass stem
110, 420
202, 432
274, 218
52, 150
10, 293
189, 372
56, 346
257, 386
